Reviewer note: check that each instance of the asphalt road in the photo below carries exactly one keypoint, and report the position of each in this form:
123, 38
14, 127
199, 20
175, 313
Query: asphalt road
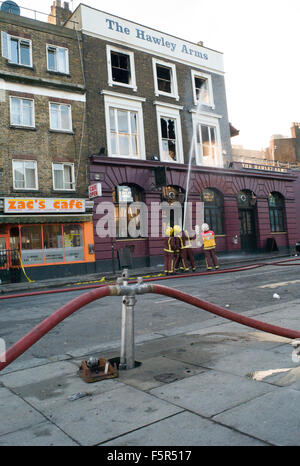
99, 323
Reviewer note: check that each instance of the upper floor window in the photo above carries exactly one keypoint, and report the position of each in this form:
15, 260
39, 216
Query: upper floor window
63, 176
16, 49
276, 212
165, 81
169, 132
22, 112
207, 141
60, 117
25, 174
57, 59
121, 70
125, 130
202, 89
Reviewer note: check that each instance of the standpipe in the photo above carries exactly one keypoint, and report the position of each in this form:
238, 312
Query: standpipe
130, 292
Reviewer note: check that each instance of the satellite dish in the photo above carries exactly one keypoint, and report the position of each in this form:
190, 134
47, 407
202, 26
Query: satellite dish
10, 7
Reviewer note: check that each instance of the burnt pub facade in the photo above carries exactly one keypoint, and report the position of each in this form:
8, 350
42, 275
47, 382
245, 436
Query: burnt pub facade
157, 104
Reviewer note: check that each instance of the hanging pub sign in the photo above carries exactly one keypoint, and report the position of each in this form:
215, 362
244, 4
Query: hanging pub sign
29, 205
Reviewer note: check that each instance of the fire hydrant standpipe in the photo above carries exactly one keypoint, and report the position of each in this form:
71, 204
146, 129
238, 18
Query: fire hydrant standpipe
131, 291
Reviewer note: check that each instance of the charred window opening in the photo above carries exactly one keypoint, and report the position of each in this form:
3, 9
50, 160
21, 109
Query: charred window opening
206, 141
201, 86
168, 134
164, 79
120, 65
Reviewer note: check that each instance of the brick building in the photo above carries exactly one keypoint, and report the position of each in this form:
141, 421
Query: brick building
90, 98
44, 211
154, 101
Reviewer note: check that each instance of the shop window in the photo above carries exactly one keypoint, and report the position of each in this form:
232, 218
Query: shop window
57, 59
31, 242
16, 49
25, 174
120, 68
45, 244
123, 197
63, 176
60, 117
165, 81
277, 212
213, 210
22, 112
202, 89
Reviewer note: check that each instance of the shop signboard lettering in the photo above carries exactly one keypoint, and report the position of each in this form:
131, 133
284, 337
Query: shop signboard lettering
43, 205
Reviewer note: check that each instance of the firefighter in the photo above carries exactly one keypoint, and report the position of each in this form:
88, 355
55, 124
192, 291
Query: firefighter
187, 246
180, 251
209, 246
169, 250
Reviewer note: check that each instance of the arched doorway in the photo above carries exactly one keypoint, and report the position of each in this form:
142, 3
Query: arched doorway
247, 218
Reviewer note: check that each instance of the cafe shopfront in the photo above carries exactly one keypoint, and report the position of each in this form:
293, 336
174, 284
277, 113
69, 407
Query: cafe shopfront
46, 237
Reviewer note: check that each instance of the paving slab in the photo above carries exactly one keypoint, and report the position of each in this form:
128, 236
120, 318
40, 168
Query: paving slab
44, 434
211, 392
97, 419
273, 417
247, 361
157, 371
16, 413
194, 431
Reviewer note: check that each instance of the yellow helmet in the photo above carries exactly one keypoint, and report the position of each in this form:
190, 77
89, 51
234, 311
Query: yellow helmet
177, 230
169, 231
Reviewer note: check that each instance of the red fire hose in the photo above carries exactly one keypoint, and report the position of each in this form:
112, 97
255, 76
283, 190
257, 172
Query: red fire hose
44, 327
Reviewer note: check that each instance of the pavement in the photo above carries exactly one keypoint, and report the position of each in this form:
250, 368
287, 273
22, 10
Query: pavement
215, 383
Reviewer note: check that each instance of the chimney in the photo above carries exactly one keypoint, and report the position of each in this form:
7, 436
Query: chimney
59, 14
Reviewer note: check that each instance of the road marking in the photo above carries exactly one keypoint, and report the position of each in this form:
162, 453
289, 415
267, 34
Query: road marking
275, 285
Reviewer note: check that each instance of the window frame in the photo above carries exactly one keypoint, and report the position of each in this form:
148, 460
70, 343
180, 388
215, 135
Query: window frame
56, 47
174, 114
279, 209
210, 121
61, 130
174, 87
73, 176
137, 191
6, 38
132, 85
215, 208
22, 125
129, 105
36, 175
200, 74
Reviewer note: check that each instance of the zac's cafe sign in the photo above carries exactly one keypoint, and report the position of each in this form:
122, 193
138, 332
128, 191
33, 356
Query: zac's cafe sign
43, 205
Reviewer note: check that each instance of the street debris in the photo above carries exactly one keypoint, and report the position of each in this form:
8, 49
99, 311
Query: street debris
79, 395
276, 296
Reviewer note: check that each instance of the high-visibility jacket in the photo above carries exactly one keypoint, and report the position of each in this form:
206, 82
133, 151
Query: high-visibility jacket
169, 244
208, 239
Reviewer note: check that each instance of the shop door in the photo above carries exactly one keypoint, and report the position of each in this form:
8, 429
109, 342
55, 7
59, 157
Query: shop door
4, 258
247, 229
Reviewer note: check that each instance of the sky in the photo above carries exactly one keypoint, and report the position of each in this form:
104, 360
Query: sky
260, 43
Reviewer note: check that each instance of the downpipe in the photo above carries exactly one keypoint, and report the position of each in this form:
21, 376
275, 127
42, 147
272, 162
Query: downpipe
131, 291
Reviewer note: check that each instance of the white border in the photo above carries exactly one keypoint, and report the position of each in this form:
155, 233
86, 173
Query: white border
42, 91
